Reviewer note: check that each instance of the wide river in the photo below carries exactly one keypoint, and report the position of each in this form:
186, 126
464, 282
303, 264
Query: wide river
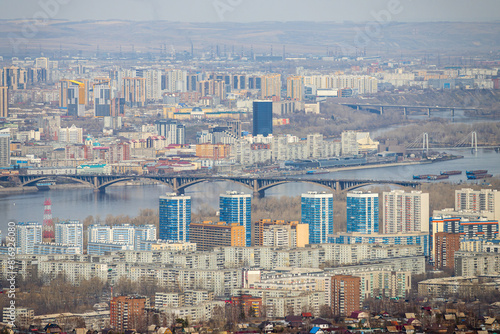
78, 203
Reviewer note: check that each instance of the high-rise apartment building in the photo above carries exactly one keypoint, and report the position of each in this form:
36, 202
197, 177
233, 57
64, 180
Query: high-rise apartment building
362, 212
484, 201
262, 118
4, 149
175, 217
317, 212
117, 107
27, 235
72, 96
207, 235
270, 86
349, 143
69, 233
295, 88
4, 101
173, 131
345, 294
134, 91
63, 94
14, 77
176, 81
71, 135
405, 212
102, 99
267, 232
237, 208
446, 244
127, 312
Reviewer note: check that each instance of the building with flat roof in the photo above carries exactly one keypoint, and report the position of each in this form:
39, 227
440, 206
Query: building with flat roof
237, 208
362, 212
267, 232
345, 294
317, 212
4, 101
262, 118
444, 252
484, 201
175, 217
4, 149
405, 212
127, 312
207, 235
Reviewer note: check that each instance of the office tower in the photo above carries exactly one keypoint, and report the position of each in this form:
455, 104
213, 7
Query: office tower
173, 131
27, 235
4, 101
134, 91
175, 217
444, 252
262, 118
127, 312
73, 98
4, 150
345, 294
295, 88
272, 231
271, 86
237, 208
117, 107
349, 143
484, 201
69, 233
362, 212
208, 235
102, 99
405, 212
317, 211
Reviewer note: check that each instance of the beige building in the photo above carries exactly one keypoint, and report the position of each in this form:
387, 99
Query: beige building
405, 212
485, 202
279, 233
4, 101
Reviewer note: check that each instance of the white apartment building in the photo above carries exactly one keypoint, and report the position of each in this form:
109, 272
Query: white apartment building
405, 212
485, 202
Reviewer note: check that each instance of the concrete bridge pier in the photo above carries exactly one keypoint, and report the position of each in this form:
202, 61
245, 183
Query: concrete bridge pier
429, 112
405, 111
381, 110
452, 112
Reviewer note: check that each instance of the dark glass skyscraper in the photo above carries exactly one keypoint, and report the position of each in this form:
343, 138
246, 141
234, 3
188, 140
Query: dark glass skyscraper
262, 118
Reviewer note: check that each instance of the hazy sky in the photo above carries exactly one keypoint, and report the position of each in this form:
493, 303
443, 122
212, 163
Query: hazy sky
254, 10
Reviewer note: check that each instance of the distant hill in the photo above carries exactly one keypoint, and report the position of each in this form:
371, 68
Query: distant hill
298, 37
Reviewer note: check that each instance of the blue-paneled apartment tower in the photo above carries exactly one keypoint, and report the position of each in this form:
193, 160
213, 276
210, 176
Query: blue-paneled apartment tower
362, 212
237, 208
175, 217
317, 211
